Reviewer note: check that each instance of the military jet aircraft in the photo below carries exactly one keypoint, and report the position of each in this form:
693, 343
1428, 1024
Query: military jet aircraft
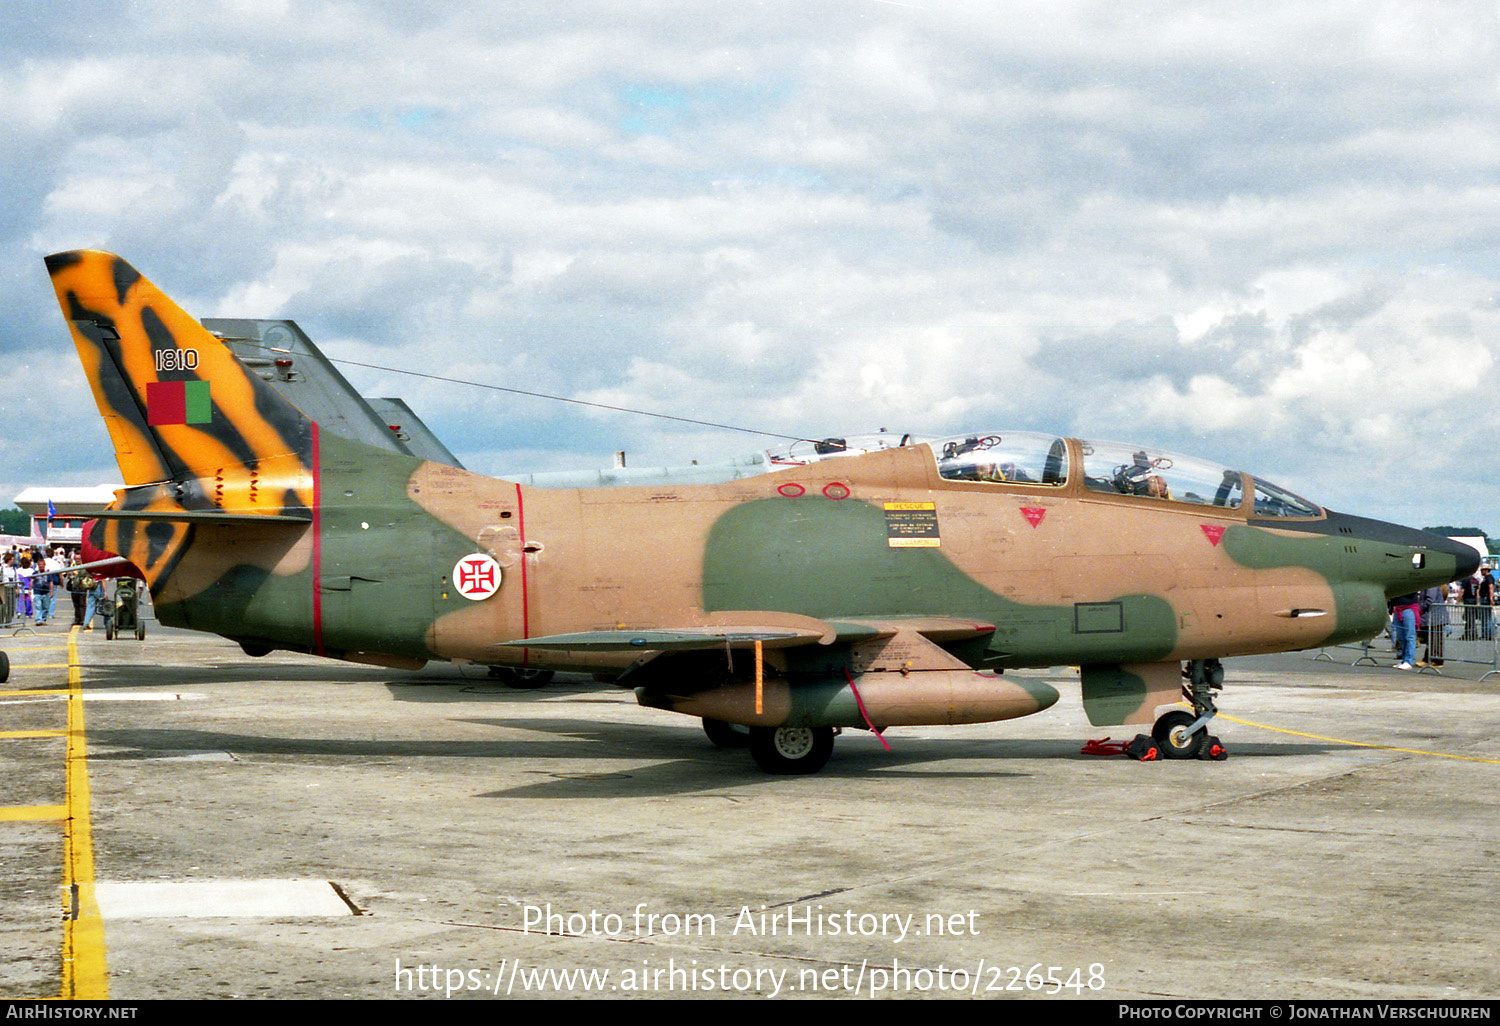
839, 583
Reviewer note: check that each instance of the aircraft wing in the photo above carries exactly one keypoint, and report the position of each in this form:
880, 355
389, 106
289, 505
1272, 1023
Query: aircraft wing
847, 631
658, 639
933, 628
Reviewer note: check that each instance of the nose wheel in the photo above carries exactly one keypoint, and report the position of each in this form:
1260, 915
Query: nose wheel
1183, 735
1175, 738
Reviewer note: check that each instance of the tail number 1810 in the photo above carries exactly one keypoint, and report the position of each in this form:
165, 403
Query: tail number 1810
176, 359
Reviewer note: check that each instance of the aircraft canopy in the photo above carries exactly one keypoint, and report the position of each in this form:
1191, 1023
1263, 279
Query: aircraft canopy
1026, 457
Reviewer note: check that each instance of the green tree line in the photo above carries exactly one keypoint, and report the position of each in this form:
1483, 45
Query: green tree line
15, 521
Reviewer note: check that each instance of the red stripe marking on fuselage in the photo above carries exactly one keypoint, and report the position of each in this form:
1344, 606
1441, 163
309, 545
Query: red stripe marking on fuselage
317, 544
525, 603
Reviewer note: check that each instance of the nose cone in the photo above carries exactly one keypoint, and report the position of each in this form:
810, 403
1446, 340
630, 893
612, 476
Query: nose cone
1466, 557
1437, 559
1400, 559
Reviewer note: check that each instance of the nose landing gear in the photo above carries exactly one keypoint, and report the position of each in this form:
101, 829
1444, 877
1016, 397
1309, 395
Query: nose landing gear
1182, 735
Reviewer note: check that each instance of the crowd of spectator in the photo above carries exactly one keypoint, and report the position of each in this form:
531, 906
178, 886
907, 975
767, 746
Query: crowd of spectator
32, 579
1428, 616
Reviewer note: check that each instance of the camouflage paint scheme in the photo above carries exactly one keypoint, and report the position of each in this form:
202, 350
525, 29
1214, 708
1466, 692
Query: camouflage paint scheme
255, 525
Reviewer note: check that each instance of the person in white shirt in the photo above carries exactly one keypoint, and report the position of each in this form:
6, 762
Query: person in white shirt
8, 584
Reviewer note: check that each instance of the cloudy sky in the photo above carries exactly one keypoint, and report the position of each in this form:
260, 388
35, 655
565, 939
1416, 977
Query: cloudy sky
1264, 234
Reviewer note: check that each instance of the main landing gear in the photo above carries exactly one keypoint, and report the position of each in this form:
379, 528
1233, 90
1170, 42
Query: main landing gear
1183, 735
781, 750
791, 750
726, 735
521, 678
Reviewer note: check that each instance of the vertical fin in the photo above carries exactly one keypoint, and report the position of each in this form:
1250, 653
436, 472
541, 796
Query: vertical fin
193, 428
182, 410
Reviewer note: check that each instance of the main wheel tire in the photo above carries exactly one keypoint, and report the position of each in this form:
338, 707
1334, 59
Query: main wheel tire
1170, 734
791, 750
4, 667
522, 679
726, 735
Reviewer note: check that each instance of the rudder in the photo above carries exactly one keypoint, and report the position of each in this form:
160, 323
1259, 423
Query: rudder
190, 423
196, 433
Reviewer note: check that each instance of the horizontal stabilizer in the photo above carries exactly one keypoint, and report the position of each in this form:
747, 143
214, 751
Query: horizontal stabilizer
74, 568
199, 516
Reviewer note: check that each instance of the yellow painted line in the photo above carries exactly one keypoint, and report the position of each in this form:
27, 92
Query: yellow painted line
32, 733
1359, 744
23, 813
85, 975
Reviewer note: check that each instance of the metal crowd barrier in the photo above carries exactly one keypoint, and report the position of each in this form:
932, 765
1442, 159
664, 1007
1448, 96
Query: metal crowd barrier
1472, 637
1453, 633
15, 618
12, 610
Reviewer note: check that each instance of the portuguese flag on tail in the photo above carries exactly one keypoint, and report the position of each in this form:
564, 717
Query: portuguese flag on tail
178, 402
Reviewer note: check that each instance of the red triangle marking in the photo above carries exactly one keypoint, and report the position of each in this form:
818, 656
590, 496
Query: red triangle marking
1033, 514
1215, 533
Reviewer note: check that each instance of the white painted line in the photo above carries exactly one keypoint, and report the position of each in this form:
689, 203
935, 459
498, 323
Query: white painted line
207, 899
173, 755
108, 696
138, 696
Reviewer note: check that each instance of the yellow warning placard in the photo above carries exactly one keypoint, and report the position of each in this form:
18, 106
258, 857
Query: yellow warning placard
911, 525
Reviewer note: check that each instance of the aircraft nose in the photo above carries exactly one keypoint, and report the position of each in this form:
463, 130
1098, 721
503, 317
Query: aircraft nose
1466, 556
1402, 559
1438, 560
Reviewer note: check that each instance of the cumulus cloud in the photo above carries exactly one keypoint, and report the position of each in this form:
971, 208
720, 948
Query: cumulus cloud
1268, 235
